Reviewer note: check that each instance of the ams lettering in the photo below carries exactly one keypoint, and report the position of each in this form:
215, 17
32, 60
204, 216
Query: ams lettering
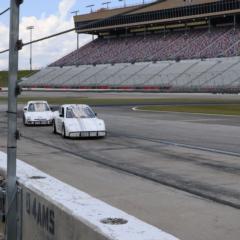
43, 216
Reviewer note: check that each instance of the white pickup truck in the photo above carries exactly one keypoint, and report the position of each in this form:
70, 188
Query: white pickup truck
37, 113
78, 120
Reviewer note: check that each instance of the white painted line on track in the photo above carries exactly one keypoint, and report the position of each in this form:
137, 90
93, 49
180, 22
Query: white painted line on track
187, 113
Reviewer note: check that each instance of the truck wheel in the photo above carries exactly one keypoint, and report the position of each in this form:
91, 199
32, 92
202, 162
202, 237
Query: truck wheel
54, 128
63, 132
24, 120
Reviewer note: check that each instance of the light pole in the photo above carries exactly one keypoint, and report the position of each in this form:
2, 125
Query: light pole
30, 28
11, 190
106, 3
76, 13
124, 2
91, 7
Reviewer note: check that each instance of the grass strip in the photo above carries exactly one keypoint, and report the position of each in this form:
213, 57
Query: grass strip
222, 109
4, 76
123, 101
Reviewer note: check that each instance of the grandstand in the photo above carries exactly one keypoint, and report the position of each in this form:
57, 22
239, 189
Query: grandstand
210, 75
181, 45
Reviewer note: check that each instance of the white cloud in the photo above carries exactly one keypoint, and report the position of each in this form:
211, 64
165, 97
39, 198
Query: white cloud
49, 50
65, 6
4, 62
4, 39
3, 45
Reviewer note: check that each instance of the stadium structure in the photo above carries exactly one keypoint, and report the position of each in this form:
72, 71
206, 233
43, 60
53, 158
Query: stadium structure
165, 46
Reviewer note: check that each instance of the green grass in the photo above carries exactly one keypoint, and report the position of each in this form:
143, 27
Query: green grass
81, 100
223, 109
119, 101
90, 101
218, 106
4, 76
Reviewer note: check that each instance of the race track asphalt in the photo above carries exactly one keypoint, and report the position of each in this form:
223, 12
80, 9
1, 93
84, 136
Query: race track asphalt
179, 172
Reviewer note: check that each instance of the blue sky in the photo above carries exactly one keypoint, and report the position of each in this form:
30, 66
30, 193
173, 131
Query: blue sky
30, 7
37, 8
47, 17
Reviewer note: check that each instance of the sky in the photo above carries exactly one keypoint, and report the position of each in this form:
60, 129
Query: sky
47, 17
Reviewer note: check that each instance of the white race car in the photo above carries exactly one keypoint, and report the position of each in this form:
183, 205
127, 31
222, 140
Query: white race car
37, 113
78, 120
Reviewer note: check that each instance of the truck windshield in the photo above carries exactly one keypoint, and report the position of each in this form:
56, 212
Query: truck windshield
80, 112
38, 107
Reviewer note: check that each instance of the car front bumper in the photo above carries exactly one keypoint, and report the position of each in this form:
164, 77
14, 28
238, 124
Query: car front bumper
87, 134
39, 122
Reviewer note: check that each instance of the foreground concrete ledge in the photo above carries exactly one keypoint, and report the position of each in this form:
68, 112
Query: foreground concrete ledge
87, 213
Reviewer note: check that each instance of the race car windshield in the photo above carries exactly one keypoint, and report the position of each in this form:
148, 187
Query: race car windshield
80, 112
38, 107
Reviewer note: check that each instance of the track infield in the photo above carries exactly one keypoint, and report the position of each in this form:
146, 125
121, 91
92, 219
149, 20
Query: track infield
222, 109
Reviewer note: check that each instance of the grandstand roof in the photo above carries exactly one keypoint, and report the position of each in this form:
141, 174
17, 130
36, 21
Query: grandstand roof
172, 4
155, 6
101, 14
158, 12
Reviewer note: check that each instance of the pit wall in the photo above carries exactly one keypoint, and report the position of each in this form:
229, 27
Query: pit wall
53, 210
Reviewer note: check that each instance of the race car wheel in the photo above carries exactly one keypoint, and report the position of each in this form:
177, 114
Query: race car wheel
54, 128
63, 132
24, 120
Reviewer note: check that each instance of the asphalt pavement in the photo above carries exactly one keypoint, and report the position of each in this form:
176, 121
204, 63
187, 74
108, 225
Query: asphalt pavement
179, 172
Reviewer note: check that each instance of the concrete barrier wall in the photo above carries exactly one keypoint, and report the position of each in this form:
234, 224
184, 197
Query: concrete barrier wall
53, 210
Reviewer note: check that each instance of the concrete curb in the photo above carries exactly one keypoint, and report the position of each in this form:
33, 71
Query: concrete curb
72, 214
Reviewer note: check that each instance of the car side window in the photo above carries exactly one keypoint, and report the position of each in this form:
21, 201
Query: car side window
89, 113
31, 108
47, 108
69, 113
61, 112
